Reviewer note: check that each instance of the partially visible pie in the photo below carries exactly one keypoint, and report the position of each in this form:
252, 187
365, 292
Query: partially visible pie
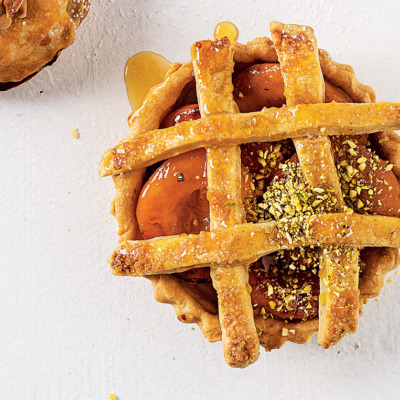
259, 212
33, 33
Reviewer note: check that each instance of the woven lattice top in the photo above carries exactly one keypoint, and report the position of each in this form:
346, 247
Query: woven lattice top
232, 243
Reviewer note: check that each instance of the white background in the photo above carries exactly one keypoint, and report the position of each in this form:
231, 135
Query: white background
70, 329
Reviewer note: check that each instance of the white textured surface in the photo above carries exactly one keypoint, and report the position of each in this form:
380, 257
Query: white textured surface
71, 330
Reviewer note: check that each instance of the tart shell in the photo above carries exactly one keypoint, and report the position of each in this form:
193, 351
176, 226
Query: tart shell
198, 303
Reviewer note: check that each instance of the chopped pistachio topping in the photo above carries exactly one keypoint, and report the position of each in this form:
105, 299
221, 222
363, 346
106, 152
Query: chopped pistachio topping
293, 199
359, 187
289, 285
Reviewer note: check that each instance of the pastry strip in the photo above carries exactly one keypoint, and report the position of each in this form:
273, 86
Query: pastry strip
271, 124
247, 242
339, 299
304, 83
213, 68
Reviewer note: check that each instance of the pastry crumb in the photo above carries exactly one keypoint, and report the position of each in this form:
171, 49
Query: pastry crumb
75, 133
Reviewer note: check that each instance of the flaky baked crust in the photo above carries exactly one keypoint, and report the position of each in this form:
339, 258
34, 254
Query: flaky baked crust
198, 303
31, 42
304, 84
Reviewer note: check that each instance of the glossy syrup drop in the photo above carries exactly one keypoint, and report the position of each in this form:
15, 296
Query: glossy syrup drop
143, 71
228, 29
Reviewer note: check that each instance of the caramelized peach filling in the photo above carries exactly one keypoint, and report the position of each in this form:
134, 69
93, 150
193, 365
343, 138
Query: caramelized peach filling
284, 284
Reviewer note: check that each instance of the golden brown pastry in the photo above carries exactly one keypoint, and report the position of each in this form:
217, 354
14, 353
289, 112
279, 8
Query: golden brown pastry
33, 33
290, 217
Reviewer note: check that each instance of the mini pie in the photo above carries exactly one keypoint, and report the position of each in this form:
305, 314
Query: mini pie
33, 33
291, 211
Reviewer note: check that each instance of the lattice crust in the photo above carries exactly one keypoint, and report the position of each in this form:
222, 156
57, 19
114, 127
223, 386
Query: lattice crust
215, 95
247, 242
198, 303
188, 301
304, 83
270, 124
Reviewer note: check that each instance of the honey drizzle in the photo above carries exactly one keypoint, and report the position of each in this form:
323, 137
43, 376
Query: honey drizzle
143, 71
227, 29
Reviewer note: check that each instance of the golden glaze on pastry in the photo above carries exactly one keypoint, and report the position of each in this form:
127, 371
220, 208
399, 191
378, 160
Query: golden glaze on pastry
32, 34
232, 244
270, 124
